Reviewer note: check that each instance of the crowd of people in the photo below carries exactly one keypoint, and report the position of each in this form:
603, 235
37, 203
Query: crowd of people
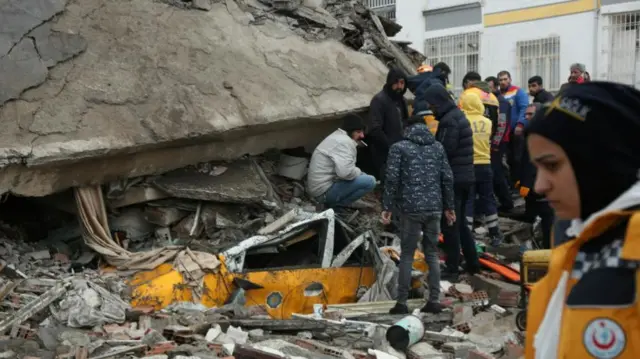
573, 156
439, 166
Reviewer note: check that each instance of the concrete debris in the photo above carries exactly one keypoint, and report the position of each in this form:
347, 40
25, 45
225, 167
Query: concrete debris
74, 116
294, 281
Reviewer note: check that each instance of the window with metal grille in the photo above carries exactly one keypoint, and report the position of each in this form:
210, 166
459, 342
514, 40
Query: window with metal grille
383, 8
461, 52
539, 57
622, 35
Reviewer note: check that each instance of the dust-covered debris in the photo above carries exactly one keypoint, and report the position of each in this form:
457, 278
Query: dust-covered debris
76, 305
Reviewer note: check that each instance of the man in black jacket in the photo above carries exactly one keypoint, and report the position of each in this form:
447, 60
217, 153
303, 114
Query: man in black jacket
387, 112
454, 132
540, 95
419, 183
535, 204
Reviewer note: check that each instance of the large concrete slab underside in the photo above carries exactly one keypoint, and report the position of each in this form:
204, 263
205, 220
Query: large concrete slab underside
96, 90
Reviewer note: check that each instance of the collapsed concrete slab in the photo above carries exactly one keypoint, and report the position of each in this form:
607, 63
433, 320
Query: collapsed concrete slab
94, 91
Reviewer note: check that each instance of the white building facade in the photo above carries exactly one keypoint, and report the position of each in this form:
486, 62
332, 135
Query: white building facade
525, 37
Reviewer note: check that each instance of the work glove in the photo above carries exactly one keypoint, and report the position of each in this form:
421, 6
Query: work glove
524, 191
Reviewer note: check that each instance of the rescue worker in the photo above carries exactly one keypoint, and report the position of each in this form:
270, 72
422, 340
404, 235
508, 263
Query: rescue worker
588, 168
454, 132
540, 95
472, 82
519, 101
387, 112
481, 199
419, 183
419, 84
425, 112
499, 145
535, 204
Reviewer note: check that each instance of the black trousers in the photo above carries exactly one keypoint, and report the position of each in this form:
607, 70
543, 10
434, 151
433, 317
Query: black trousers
500, 183
537, 207
458, 236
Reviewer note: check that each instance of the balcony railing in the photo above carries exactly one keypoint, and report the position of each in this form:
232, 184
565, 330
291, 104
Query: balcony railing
376, 4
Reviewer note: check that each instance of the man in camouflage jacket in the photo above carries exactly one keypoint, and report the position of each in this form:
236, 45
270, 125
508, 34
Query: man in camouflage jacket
419, 184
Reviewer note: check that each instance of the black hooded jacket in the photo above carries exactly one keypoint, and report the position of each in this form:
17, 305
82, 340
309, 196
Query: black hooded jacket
387, 114
418, 84
454, 132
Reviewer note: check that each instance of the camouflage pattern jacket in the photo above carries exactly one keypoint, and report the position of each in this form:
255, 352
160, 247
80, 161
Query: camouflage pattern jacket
418, 177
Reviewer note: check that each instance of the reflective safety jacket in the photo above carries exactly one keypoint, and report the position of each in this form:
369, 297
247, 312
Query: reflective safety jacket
588, 304
472, 106
492, 111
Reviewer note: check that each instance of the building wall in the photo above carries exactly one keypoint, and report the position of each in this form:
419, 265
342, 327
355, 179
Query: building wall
506, 22
409, 15
619, 58
576, 32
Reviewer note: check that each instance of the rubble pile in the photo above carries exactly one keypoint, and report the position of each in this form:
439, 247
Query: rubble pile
64, 300
348, 21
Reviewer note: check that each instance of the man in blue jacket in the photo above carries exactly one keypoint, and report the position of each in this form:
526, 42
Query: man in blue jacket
499, 148
519, 101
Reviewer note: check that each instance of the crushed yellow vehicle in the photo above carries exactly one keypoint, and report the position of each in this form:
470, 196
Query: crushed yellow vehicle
313, 261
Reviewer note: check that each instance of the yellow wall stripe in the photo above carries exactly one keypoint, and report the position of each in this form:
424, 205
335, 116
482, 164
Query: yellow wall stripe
539, 12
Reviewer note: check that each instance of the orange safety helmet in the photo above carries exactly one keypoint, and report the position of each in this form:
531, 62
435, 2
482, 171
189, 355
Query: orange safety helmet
424, 68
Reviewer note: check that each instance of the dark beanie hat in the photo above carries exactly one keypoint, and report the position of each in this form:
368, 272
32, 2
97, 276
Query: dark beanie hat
419, 118
352, 122
598, 126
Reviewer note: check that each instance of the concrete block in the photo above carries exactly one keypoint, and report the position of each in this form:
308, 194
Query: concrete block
494, 287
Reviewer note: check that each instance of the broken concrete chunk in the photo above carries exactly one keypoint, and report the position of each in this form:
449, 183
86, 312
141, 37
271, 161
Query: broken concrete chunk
424, 350
18, 17
163, 216
285, 5
459, 350
201, 4
318, 15
239, 184
55, 46
213, 333
44, 254
237, 335
20, 69
314, 3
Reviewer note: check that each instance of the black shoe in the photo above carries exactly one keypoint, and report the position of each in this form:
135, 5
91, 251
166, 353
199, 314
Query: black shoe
472, 270
496, 239
506, 209
450, 277
432, 307
399, 308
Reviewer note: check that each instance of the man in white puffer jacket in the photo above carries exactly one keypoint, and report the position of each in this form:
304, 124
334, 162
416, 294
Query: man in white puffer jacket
334, 179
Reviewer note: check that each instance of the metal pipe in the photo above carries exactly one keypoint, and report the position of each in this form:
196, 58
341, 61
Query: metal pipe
596, 43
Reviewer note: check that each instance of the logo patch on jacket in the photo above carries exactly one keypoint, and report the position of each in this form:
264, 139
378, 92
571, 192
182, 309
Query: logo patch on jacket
604, 338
